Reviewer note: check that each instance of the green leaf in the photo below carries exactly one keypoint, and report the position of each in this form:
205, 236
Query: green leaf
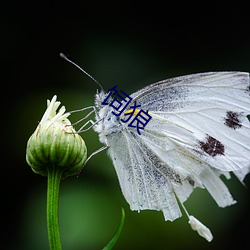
117, 234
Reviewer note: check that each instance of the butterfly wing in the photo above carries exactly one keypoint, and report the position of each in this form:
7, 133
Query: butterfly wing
198, 131
143, 186
213, 107
152, 171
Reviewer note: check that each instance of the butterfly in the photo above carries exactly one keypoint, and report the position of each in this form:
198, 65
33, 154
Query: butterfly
199, 130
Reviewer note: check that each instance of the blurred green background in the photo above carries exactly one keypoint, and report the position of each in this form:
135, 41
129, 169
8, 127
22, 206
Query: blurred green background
119, 43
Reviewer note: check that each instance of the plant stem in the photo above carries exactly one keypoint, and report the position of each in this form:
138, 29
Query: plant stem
54, 177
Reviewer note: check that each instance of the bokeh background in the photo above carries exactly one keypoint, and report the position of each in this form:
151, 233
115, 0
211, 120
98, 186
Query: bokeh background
125, 43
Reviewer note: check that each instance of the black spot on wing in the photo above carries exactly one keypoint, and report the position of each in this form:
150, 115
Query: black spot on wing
190, 181
233, 119
248, 89
212, 146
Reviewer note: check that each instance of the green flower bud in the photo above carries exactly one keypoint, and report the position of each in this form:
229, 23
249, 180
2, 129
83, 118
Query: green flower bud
55, 144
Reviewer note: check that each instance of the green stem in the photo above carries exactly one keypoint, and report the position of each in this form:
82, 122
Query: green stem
54, 177
117, 234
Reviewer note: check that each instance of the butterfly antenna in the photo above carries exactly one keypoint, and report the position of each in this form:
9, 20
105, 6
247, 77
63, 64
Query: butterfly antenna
68, 60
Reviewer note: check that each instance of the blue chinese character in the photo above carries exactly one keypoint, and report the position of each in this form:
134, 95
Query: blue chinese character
119, 104
130, 112
111, 91
141, 119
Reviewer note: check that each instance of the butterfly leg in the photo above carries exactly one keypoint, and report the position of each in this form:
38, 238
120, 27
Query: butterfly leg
92, 154
86, 116
96, 152
81, 129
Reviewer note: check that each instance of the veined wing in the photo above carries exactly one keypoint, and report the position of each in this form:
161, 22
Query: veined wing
143, 186
181, 160
176, 93
153, 170
205, 114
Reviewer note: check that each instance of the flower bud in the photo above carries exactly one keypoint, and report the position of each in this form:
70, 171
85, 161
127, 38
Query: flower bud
55, 144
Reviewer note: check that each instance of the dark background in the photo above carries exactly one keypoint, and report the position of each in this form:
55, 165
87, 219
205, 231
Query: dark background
125, 43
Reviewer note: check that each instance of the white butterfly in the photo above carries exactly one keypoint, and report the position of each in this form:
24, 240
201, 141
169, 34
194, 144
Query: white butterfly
199, 130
